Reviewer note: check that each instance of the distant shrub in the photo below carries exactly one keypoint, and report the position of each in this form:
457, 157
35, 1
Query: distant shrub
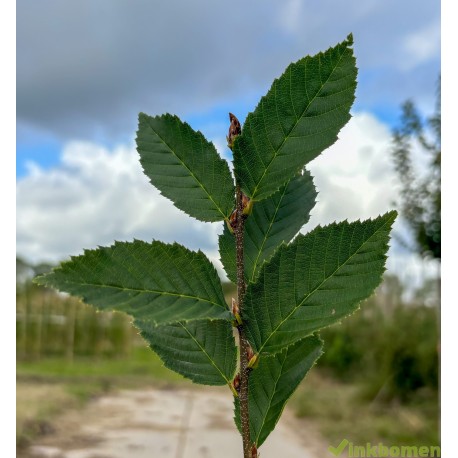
394, 352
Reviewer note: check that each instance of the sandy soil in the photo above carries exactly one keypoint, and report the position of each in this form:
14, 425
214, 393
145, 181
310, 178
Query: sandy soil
168, 424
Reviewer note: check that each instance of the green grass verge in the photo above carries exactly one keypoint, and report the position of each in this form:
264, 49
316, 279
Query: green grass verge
143, 366
341, 411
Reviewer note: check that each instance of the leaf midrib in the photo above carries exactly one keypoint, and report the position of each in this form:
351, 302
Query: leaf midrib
268, 231
271, 398
205, 353
322, 282
165, 293
295, 124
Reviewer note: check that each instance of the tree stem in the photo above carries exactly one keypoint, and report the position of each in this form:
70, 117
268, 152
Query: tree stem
241, 288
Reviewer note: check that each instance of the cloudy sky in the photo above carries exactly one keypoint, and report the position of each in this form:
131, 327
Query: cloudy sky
85, 69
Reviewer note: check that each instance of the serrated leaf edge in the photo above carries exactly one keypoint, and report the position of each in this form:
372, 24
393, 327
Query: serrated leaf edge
320, 351
389, 222
348, 42
43, 279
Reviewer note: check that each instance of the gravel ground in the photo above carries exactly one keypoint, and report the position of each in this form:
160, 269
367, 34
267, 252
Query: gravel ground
168, 424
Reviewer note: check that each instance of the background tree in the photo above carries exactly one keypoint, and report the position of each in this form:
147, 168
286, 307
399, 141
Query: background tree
420, 197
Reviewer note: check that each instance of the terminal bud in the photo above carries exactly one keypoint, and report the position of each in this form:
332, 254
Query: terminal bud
234, 130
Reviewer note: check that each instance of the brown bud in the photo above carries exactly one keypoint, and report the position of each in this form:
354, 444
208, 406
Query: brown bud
236, 383
245, 200
233, 221
236, 313
234, 130
235, 307
251, 357
247, 204
249, 352
254, 451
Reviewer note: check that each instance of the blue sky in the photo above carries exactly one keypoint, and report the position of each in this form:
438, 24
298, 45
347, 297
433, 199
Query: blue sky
85, 69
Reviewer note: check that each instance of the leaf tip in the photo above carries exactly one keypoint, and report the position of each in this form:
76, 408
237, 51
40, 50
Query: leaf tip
393, 214
389, 217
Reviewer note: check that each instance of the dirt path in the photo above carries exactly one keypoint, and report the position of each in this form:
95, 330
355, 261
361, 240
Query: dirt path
167, 424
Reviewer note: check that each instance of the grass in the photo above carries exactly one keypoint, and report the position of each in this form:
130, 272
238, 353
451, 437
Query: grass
340, 411
142, 367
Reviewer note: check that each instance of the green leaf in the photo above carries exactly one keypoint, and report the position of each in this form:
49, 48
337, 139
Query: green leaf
203, 351
315, 281
151, 281
185, 167
273, 382
299, 117
273, 220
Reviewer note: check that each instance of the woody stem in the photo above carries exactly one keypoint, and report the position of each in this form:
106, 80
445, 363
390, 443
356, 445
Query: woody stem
241, 289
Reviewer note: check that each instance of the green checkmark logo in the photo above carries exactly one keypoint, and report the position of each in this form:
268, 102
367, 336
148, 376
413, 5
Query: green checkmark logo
336, 451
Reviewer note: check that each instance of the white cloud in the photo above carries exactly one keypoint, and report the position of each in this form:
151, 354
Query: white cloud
422, 45
94, 197
354, 176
